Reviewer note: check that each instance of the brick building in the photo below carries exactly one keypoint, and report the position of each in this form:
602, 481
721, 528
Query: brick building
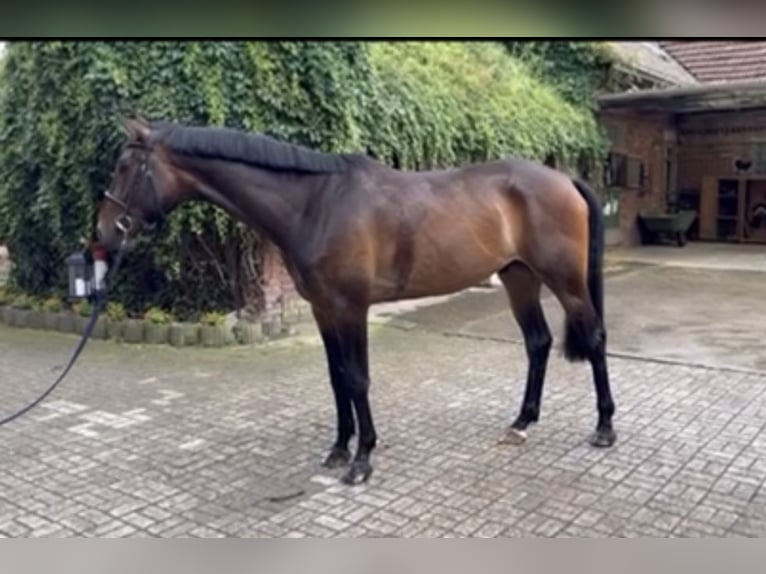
699, 143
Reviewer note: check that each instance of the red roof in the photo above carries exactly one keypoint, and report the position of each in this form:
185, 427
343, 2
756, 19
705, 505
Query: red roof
651, 60
722, 61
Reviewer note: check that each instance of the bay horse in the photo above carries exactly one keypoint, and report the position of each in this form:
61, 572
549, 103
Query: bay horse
354, 232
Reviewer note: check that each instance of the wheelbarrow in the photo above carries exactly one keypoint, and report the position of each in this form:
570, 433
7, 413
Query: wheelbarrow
674, 226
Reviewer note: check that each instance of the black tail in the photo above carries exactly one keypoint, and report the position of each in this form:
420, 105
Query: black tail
585, 333
595, 246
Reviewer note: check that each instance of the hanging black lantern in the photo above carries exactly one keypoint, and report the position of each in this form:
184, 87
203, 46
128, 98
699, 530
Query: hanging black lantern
80, 270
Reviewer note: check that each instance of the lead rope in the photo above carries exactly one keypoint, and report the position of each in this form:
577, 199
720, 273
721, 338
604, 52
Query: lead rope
101, 298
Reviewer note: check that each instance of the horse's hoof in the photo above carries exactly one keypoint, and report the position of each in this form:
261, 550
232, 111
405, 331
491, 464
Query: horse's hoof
514, 436
603, 438
337, 458
358, 473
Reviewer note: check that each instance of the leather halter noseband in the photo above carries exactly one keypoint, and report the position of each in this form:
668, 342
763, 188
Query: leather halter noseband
124, 222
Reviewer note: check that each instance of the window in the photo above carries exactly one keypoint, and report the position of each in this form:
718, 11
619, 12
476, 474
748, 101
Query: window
625, 171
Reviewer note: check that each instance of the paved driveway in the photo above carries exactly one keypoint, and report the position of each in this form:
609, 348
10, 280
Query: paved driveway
695, 316
166, 442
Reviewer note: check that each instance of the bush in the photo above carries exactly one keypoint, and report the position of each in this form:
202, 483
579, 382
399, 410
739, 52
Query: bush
52, 305
455, 102
60, 134
577, 70
5, 297
83, 308
158, 316
213, 319
409, 104
115, 311
23, 301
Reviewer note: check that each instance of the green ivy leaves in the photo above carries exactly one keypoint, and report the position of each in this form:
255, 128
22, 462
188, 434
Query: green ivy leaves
412, 104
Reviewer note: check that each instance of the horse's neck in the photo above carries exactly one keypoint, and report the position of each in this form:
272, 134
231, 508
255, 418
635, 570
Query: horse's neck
270, 203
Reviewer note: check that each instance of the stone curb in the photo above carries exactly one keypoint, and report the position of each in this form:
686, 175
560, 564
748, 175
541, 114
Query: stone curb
140, 331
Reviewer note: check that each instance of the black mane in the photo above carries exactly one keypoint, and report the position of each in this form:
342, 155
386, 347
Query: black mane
253, 149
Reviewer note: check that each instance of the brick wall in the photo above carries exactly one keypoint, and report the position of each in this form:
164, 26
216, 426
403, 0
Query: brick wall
282, 304
649, 137
710, 143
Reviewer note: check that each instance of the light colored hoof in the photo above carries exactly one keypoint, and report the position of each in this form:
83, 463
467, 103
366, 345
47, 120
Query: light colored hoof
514, 436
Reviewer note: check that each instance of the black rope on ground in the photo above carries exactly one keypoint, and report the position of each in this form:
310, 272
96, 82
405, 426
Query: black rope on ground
100, 303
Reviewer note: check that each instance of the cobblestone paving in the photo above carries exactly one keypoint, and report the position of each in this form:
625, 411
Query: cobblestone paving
680, 314
162, 442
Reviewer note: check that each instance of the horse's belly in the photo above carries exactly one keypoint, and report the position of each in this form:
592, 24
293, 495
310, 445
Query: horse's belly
455, 271
450, 250
444, 269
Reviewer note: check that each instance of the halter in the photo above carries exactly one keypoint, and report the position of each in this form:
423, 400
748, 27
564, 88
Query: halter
125, 222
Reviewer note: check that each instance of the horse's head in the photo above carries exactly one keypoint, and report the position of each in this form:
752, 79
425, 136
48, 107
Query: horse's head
143, 188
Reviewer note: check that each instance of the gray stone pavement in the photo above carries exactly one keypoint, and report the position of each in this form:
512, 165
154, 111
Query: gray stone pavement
145, 441
694, 316
697, 255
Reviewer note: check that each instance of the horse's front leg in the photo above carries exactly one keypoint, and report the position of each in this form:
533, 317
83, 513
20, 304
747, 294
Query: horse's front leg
339, 454
355, 370
344, 332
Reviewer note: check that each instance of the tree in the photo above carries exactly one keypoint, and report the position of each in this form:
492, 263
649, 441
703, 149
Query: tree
578, 70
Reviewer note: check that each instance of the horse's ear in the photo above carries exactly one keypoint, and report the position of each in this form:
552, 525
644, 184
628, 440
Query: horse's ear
137, 130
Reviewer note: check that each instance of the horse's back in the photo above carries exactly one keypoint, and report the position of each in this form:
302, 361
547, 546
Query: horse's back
423, 233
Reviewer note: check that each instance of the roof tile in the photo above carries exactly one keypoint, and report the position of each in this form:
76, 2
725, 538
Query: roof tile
720, 61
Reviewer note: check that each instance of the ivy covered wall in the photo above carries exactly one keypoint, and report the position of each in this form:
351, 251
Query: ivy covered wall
411, 105
577, 70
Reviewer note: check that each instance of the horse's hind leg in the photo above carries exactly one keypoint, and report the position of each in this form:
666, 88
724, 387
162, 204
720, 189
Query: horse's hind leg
585, 339
523, 288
